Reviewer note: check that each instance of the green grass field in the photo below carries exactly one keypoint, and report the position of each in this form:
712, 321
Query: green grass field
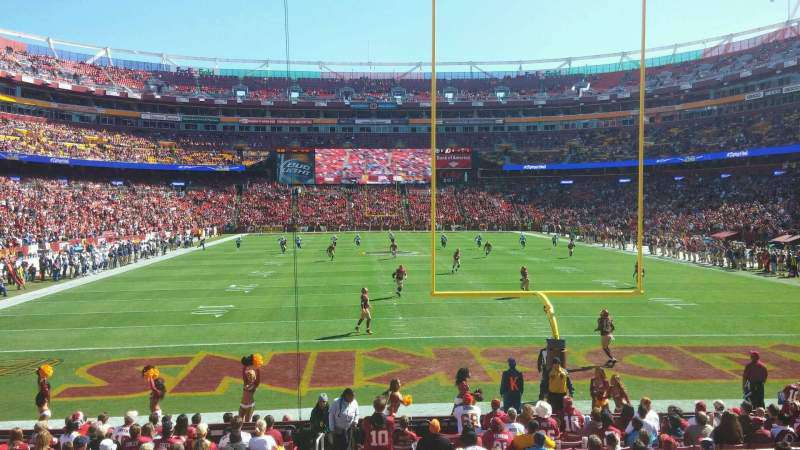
196, 315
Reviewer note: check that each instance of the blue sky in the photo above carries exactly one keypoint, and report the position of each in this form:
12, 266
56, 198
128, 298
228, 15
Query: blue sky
394, 30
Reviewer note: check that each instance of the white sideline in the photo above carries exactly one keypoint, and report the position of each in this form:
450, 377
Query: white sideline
740, 273
393, 339
60, 287
422, 409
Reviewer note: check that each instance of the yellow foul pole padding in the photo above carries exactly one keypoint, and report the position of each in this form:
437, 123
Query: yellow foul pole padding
550, 312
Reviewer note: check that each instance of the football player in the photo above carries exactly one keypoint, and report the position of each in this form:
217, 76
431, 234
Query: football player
524, 281
400, 276
456, 261
605, 325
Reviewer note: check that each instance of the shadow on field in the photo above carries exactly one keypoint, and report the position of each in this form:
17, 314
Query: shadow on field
444, 273
337, 336
506, 298
382, 298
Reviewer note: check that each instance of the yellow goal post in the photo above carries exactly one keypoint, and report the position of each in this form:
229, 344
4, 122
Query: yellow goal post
543, 295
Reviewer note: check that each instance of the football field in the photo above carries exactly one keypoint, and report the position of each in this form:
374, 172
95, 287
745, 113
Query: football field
195, 315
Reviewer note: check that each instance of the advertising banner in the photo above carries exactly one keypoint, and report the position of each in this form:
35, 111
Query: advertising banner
454, 158
158, 116
273, 121
40, 159
296, 166
747, 153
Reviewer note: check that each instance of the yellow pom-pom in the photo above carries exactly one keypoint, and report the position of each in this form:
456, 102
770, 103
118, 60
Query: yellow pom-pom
46, 370
407, 400
258, 360
151, 373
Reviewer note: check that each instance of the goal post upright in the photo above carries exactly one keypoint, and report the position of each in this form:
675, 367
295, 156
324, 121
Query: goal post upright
640, 184
433, 148
543, 295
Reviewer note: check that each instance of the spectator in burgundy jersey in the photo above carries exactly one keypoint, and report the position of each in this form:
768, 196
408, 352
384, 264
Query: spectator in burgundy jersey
753, 379
432, 439
16, 440
760, 435
132, 442
486, 420
497, 435
403, 437
378, 429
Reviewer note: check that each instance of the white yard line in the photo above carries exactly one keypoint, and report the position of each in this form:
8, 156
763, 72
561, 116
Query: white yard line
415, 410
60, 287
376, 338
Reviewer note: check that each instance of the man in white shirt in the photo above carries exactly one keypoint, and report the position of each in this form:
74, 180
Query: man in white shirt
650, 420
70, 433
124, 432
467, 412
261, 440
236, 425
342, 417
513, 426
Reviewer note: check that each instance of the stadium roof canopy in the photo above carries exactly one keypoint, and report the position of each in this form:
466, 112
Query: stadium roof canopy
587, 64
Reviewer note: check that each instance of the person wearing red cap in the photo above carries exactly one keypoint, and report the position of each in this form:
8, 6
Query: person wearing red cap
467, 412
497, 435
496, 412
753, 379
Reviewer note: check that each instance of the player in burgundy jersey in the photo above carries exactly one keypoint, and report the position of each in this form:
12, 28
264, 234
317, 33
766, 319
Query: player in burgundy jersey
400, 276
524, 281
365, 311
456, 261
378, 429
605, 325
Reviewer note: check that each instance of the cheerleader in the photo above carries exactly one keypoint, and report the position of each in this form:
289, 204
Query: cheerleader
251, 378
157, 387
462, 383
43, 374
599, 388
395, 398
